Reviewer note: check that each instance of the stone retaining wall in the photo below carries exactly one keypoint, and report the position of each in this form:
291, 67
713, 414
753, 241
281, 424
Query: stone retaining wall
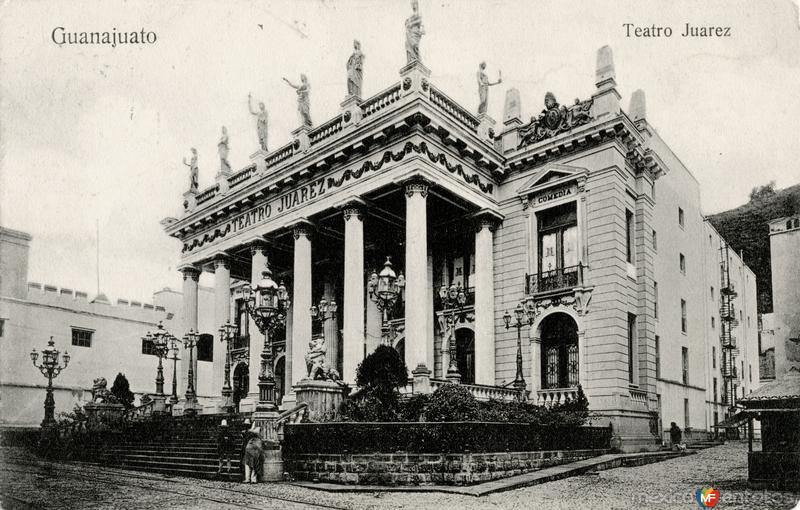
425, 468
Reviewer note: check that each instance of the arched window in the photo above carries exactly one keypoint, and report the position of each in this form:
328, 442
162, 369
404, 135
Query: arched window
560, 366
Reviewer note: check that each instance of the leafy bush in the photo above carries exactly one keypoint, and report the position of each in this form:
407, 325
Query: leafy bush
382, 372
414, 408
452, 402
122, 390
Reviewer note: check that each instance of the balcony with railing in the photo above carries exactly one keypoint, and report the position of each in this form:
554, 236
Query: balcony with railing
554, 281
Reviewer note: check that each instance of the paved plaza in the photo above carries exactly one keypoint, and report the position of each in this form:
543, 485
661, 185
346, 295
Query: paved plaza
28, 482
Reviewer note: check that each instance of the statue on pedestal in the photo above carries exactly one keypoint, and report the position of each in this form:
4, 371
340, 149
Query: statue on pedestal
355, 71
193, 172
303, 101
316, 362
414, 33
483, 86
262, 119
223, 149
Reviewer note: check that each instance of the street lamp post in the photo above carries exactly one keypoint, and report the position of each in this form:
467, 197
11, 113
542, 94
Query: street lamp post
160, 340
174, 347
324, 311
227, 333
189, 342
521, 317
50, 368
384, 289
453, 300
267, 303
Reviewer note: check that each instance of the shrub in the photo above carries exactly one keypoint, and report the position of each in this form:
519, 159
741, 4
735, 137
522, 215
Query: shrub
367, 406
122, 390
382, 372
414, 408
452, 402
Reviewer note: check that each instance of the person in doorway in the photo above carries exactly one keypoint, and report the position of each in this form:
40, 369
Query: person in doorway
224, 447
675, 434
253, 454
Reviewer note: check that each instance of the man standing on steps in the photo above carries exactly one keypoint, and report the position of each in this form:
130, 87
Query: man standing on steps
224, 447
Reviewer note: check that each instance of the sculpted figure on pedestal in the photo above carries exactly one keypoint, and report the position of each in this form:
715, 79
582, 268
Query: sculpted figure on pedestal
223, 149
316, 363
262, 120
355, 71
483, 86
303, 100
414, 33
193, 172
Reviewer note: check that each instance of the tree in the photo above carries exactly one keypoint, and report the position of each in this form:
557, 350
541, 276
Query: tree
382, 372
762, 192
122, 390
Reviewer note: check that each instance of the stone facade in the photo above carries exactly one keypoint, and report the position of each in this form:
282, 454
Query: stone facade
426, 468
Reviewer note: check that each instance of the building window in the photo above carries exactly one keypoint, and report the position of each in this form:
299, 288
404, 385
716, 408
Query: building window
686, 413
685, 364
655, 241
713, 357
658, 357
629, 231
2, 327
147, 346
631, 346
713, 322
82, 337
683, 316
748, 322
205, 347
715, 389
682, 262
680, 217
750, 371
712, 293
558, 238
655, 299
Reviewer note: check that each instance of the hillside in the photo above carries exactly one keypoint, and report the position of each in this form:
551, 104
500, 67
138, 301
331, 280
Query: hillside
746, 228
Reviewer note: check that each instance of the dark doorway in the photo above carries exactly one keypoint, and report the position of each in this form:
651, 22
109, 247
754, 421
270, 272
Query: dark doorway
559, 352
241, 383
280, 380
465, 355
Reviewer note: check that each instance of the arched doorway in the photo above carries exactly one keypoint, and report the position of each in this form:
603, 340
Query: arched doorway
465, 354
241, 383
559, 334
280, 379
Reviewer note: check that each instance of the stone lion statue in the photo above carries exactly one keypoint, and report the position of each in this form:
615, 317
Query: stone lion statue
316, 364
100, 393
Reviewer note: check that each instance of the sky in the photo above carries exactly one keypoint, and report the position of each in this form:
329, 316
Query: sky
92, 137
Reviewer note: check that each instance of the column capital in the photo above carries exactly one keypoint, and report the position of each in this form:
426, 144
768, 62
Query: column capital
352, 208
302, 228
190, 271
256, 245
222, 260
486, 218
417, 185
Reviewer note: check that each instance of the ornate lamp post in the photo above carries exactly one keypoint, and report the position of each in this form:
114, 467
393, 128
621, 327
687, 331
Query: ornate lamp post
326, 310
50, 368
189, 342
161, 341
384, 289
267, 303
174, 347
227, 334
453, 300
521, 317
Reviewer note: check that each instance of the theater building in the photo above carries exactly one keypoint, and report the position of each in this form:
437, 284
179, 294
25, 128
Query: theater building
582, 214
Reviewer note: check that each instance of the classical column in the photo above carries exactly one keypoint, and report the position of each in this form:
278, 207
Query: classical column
330, 328
484, 300
353, 289
535, 382
222, 313
258, 257
191, 277
301, 299
374, 324
417, 311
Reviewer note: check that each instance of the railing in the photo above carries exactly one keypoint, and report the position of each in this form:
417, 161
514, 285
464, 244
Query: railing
280, 155
381, 100
451, 108
326, 130
483, 392
241, 176
206, 195
638, 396
555, 396
558, 279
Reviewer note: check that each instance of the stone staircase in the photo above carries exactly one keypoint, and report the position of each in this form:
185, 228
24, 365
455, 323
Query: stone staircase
174, 447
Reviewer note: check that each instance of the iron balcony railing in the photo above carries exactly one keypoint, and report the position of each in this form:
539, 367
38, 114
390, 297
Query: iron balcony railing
561, 278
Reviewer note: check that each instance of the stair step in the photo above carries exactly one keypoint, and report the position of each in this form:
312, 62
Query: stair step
205, 467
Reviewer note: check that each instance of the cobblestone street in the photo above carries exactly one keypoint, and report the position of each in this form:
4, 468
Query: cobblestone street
28, 482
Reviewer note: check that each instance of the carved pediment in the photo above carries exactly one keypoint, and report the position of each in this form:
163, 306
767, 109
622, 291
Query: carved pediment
550, 176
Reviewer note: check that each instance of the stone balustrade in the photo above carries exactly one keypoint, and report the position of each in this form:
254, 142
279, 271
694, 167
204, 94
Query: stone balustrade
556, 396
452, 109
381, 100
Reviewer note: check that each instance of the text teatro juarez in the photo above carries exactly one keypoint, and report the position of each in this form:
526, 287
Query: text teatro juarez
61, 36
